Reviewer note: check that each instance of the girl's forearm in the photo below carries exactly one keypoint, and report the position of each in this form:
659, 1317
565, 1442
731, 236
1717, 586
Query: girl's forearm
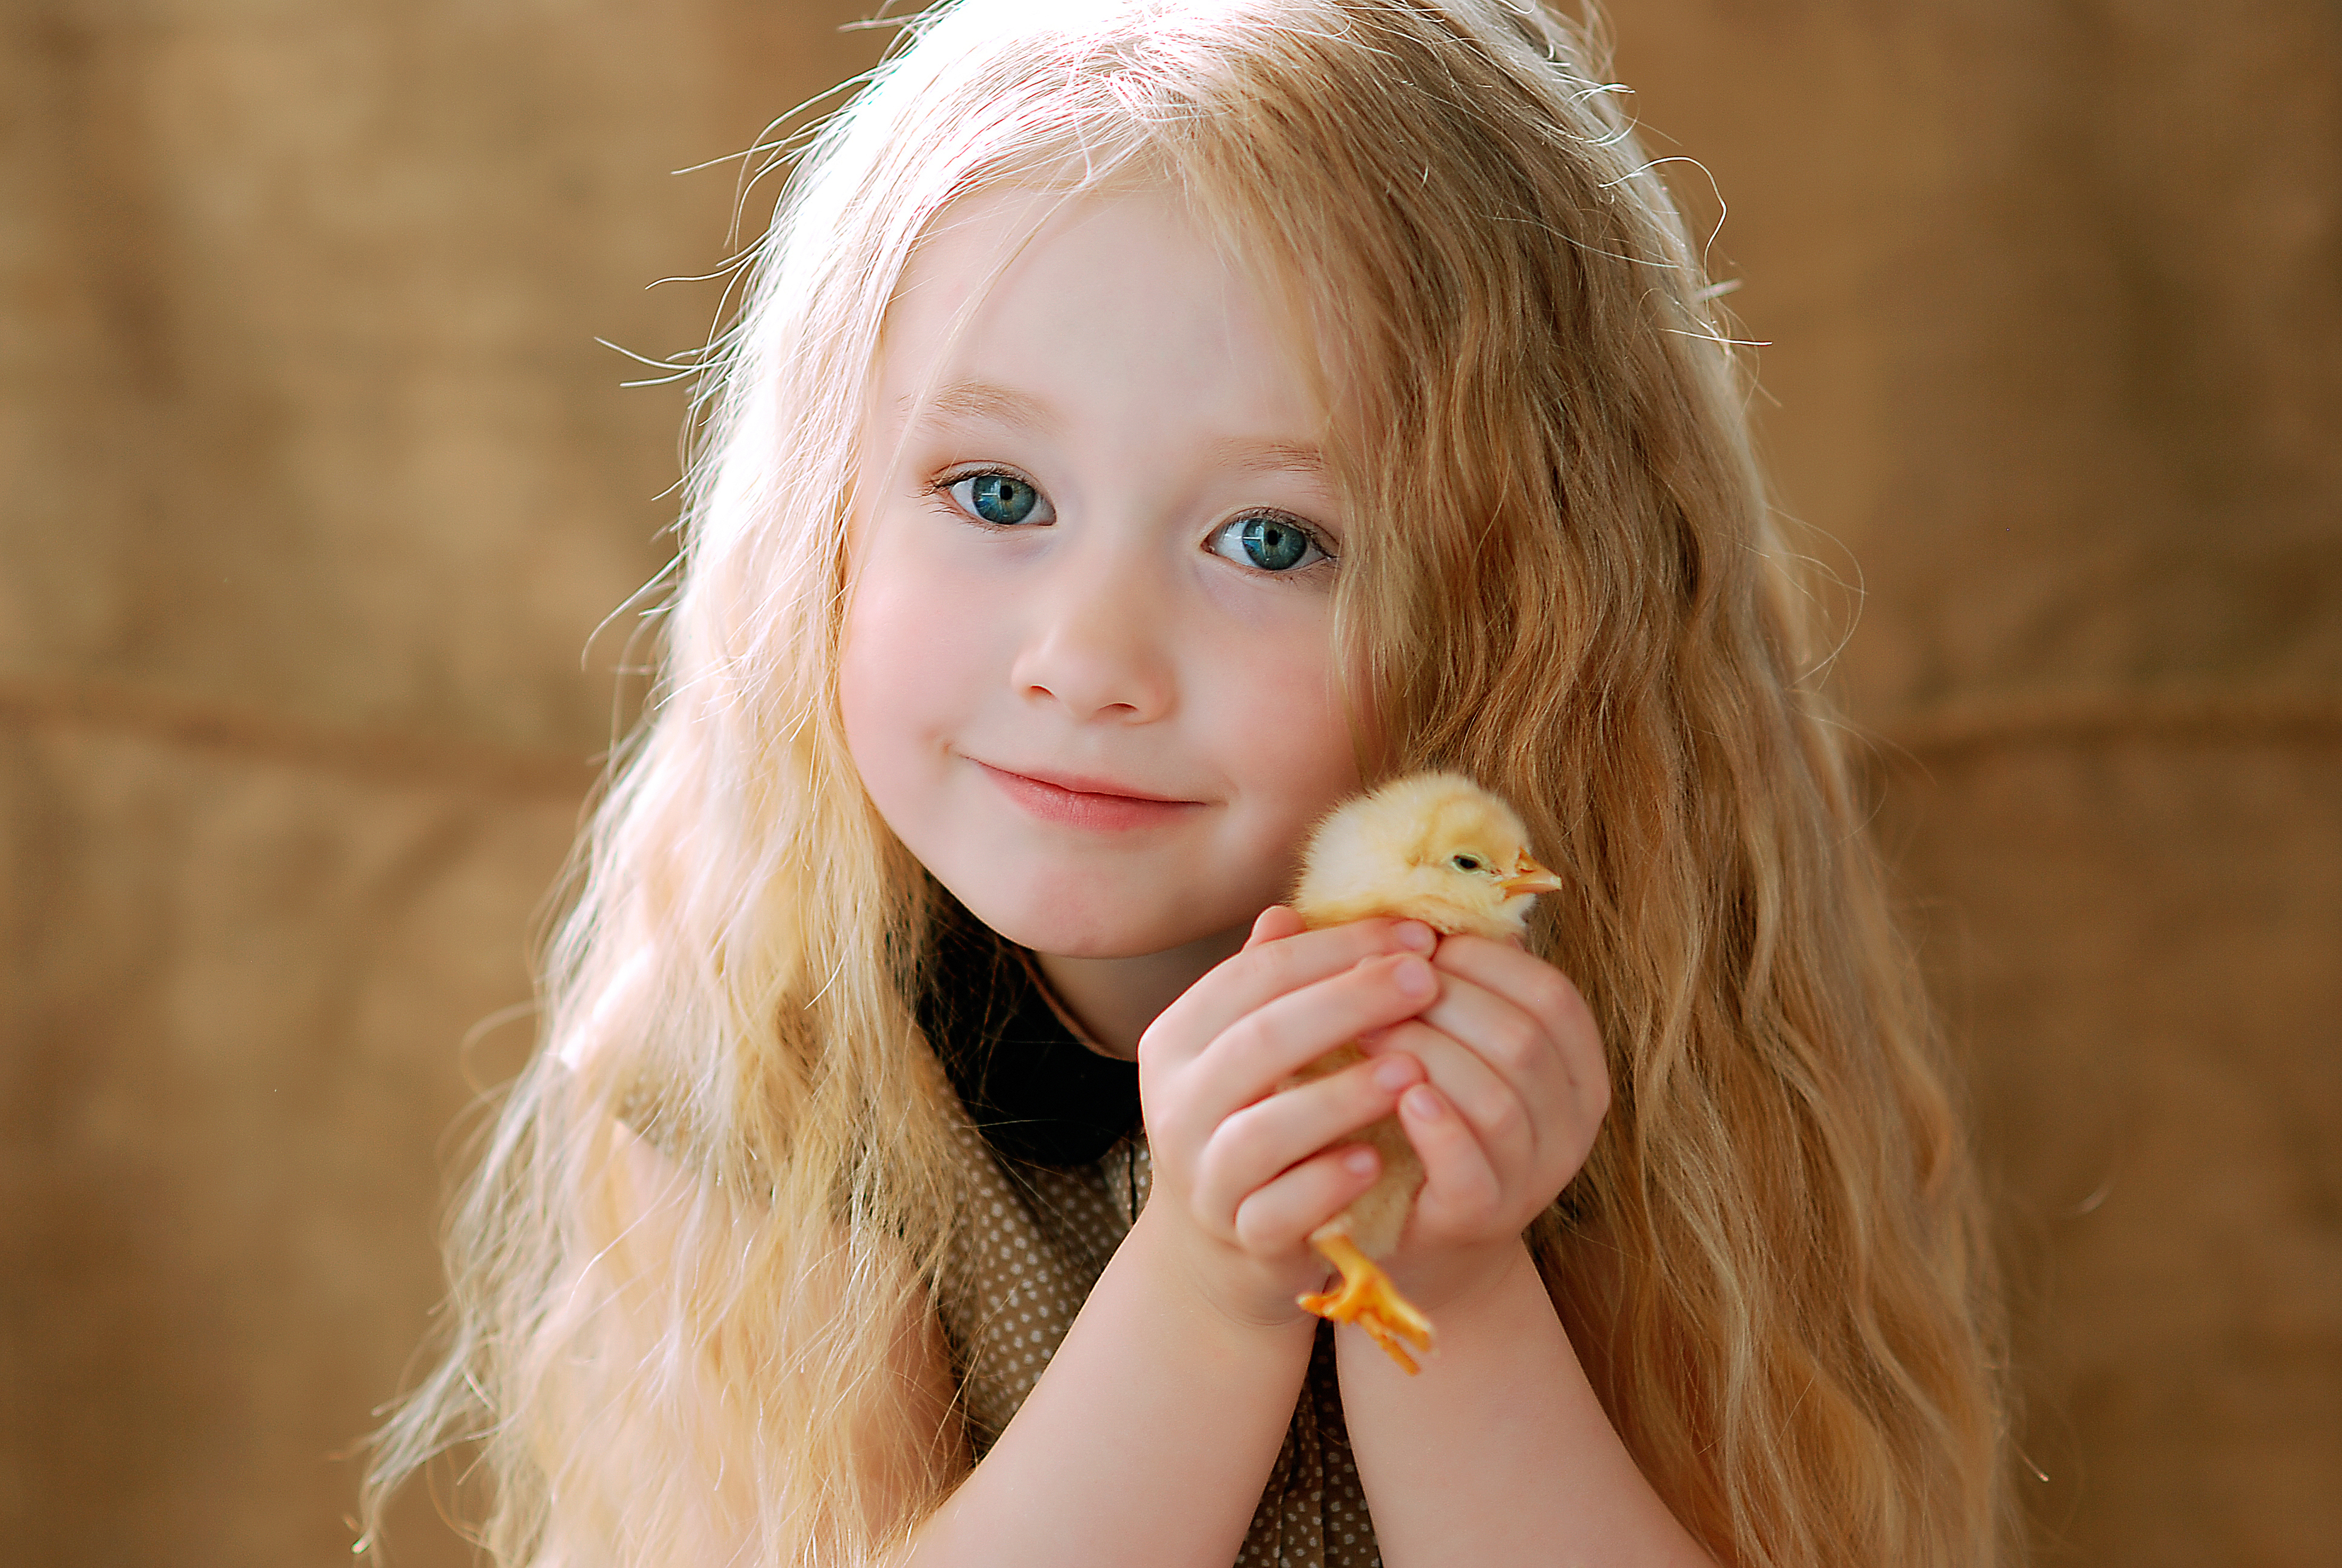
1498, 1451
1146, 1441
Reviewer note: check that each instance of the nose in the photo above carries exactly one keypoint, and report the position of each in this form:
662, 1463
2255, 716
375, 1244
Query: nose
1095, 638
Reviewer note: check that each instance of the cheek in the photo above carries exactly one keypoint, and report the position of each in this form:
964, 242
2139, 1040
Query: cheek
1283, 719
897, 639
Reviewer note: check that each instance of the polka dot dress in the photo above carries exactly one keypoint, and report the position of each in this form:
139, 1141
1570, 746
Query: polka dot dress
1038, 1238
1054, 1164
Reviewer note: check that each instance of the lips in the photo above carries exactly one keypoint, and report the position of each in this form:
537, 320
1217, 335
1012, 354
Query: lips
1073, 800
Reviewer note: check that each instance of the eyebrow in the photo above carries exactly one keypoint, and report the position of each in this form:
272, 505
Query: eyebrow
1269, 456
1022, 411
980, 400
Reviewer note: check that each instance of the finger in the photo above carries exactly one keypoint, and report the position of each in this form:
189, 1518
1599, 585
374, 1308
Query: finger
1279, 1215
1542, 992
1253, 1146
1273, 923
1516, 1046
1461, 1189
1500, 1115
1268, 969
1273, 1041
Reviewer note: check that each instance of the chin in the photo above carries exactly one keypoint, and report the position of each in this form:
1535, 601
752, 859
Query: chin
1053, 933
1082, 925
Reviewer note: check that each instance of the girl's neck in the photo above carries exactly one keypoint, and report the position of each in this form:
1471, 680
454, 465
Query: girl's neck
1116, 998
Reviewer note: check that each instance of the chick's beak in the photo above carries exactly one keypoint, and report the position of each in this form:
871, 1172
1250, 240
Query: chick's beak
1528, 876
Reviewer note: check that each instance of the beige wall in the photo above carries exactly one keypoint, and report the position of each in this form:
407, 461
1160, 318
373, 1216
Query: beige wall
313, 484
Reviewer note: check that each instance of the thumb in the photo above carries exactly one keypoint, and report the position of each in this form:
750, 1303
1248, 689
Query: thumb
1273, 925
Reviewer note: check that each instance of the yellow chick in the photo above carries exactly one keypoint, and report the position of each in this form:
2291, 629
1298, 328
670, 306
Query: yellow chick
1434, 847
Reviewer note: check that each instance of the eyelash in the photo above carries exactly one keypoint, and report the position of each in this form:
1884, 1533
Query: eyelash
948, 485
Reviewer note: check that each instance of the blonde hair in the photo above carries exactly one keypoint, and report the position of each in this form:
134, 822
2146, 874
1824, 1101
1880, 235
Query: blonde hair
1561, 577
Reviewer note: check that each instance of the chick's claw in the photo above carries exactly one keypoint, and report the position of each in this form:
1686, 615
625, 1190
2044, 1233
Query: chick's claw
1367, 1298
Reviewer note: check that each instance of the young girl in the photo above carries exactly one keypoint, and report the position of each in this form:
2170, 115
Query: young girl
1152, 421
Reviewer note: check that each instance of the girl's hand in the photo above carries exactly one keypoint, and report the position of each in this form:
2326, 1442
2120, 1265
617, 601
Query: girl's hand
1518, 1087
1242, 1174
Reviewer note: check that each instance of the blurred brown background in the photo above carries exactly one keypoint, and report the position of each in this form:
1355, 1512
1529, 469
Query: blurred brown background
313, 486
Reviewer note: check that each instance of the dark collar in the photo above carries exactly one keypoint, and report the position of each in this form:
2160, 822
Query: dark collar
1034, 1091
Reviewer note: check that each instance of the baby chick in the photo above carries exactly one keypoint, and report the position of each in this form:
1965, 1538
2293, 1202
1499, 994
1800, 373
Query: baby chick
1434, 847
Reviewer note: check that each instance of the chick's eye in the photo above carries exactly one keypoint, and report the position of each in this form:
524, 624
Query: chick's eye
1465, 863
1267, 542
1000, 499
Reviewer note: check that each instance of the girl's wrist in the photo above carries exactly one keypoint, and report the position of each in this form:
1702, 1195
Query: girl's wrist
1212, 1283
1461, 1281
1491, 1314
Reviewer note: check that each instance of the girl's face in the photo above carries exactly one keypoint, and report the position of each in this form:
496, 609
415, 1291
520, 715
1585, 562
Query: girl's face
1088, 675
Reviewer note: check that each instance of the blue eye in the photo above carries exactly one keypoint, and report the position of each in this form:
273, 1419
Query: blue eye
1001, 499
1267, 542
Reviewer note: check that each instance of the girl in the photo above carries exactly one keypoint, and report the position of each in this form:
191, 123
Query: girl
1152, 421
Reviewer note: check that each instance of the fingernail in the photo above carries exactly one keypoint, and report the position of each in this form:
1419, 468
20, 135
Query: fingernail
1360, 1162
1423, 1103
1415, 977
1413, 934
1396, 1074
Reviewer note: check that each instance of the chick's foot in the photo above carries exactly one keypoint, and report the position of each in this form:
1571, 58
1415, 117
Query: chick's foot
1367, 1298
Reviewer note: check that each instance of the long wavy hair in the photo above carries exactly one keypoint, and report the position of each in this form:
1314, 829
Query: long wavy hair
1561, 576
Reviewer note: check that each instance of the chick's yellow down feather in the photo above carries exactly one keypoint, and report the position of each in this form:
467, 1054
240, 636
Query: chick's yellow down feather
1434, 847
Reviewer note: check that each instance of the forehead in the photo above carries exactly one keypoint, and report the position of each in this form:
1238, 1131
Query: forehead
1015, 287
